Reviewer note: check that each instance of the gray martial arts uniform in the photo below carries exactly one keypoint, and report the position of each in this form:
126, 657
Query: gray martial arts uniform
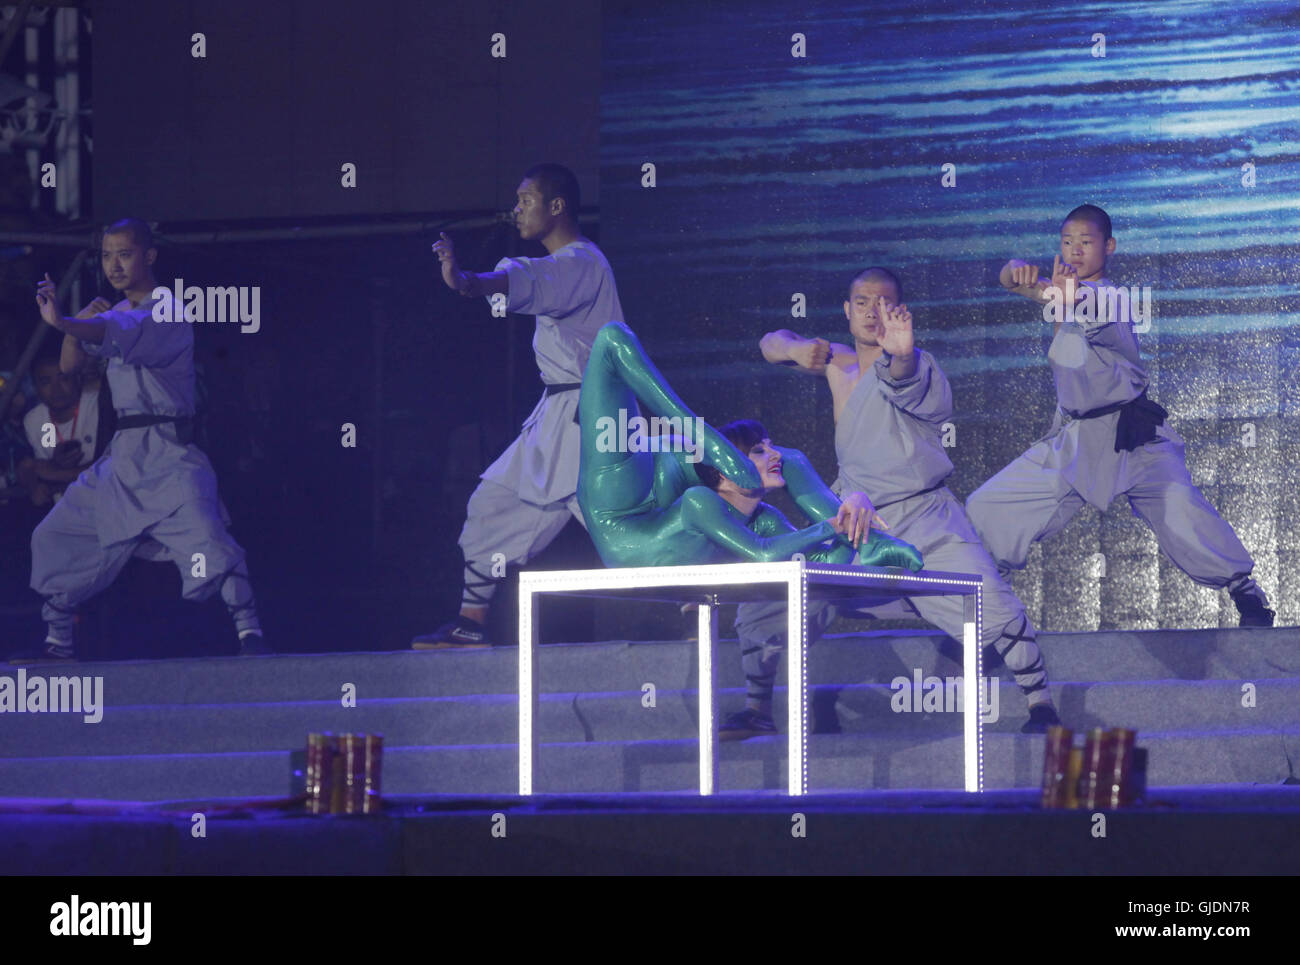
527, 496
888, 441
150, 493
1096, 366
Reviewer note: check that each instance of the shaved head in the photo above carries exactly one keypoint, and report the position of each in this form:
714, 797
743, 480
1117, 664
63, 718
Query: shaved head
556, 181
1092, 214
876, 274
139, 231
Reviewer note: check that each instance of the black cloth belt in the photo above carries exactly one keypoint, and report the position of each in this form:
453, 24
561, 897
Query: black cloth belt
939, 485
1138, 420
184, 424
555, 388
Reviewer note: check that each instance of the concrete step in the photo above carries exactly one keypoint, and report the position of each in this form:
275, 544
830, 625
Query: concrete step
836, 762
224, 727
618, 666
493, 718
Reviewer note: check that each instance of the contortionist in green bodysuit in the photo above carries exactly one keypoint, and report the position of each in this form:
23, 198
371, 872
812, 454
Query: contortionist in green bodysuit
653, 508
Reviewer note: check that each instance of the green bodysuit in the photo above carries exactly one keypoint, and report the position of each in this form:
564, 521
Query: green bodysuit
651, 509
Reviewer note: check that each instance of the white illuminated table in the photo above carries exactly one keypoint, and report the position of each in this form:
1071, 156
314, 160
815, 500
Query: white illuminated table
721, 583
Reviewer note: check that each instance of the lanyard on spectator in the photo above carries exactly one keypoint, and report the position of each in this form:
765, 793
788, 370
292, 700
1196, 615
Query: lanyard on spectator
73, 434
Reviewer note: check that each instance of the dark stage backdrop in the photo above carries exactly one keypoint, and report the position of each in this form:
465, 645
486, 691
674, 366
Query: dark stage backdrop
291, 90
778, 175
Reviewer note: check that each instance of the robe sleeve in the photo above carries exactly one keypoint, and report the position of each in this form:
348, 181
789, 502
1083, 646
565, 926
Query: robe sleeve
138, 338
555, 286
924, 395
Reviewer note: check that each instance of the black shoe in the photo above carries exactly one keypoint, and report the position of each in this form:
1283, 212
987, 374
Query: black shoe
745, 724
252, 645
1252, 610
48, 652
461, 634
1041, 717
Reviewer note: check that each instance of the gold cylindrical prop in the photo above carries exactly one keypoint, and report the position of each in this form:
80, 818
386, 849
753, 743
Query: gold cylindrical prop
321, 751
1101, 775
1121, 772
1056, 766
343, 774
373, 801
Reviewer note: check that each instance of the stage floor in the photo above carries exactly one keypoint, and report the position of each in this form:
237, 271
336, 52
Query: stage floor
1234, 830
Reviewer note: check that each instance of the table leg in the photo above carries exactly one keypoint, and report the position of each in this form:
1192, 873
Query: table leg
527, 689
708, 699
972, 663
797, 672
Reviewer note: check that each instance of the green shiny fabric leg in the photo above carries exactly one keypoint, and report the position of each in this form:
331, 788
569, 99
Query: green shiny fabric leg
620, 375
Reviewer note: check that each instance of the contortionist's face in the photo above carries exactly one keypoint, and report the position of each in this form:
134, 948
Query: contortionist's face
768, 463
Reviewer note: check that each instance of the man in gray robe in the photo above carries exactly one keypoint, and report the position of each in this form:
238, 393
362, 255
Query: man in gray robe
891, 401
1107, 439
529, 493
153, 492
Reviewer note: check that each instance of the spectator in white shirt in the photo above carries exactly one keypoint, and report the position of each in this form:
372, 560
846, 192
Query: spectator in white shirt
61, 430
